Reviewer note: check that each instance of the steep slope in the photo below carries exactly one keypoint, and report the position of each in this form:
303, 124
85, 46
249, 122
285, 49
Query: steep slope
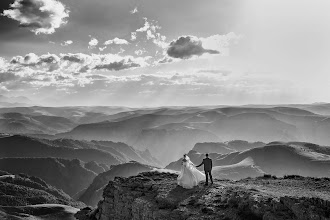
93, 193
283, 159
22, 190
68, 175
127, 153
155, 195
244, 169
22, 146
95, 167
240, 145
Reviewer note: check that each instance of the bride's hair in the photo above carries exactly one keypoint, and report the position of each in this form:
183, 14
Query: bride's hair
185, 158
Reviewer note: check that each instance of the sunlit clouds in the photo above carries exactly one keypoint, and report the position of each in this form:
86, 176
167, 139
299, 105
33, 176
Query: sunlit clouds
158, 53
40, 16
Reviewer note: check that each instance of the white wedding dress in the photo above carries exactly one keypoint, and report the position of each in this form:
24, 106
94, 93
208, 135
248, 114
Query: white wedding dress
189, 176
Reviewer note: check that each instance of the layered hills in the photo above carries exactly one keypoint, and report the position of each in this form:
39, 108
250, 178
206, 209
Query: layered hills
172, 129
25, 197
275, 158
103, 152
69, 175
22, 190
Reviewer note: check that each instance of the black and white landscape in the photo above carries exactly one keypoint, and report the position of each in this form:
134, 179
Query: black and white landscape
100, 100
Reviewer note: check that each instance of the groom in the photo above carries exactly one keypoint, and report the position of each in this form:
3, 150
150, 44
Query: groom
207, 162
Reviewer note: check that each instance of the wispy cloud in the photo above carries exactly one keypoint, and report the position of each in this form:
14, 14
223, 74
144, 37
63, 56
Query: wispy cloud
134, 11
67, 43
117, 41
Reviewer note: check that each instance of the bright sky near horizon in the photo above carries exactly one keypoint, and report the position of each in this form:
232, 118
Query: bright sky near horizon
157, 53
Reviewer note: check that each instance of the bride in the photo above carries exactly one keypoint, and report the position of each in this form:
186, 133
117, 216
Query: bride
189, 176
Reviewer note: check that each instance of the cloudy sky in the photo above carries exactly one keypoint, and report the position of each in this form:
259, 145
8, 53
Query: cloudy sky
156, 53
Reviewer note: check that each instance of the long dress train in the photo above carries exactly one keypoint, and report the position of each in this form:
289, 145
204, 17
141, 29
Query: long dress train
189, 176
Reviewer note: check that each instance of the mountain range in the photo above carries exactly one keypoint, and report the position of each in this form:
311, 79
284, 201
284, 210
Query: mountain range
275, 158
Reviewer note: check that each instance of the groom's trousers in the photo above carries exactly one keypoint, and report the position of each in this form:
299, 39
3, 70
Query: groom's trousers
207, 175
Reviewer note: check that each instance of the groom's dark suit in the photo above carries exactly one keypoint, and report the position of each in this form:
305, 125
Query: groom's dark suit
207, 162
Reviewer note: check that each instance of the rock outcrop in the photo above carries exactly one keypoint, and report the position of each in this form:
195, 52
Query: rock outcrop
154, 195
93, 194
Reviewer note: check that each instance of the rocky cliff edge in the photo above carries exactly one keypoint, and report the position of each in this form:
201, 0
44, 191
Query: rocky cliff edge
153, 195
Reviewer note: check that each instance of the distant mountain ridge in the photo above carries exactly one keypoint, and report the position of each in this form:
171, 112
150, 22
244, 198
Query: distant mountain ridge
169, 132
275, 158
15, 99
106, 152
225, 147
18, 123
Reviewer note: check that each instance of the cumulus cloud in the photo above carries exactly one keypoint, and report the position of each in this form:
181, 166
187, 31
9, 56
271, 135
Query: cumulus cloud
164, 60
93, 43
61, 71
187, 46
102, 48
135, 10
75, 58
67, 43
116, 41
3, 63
145, 27
133, 36
115, 62
140, 52
40, 16
120, 65
32, 59
48, 59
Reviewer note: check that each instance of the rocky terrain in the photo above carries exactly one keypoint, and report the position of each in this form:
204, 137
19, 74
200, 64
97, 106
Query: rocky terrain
154, 195
93, 193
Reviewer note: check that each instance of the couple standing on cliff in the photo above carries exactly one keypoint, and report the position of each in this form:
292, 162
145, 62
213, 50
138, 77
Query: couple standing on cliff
190, 176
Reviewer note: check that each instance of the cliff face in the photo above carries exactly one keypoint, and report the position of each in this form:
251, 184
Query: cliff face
93, 193
151, 196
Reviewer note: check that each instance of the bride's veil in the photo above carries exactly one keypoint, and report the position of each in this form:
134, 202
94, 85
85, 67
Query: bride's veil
189, 161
